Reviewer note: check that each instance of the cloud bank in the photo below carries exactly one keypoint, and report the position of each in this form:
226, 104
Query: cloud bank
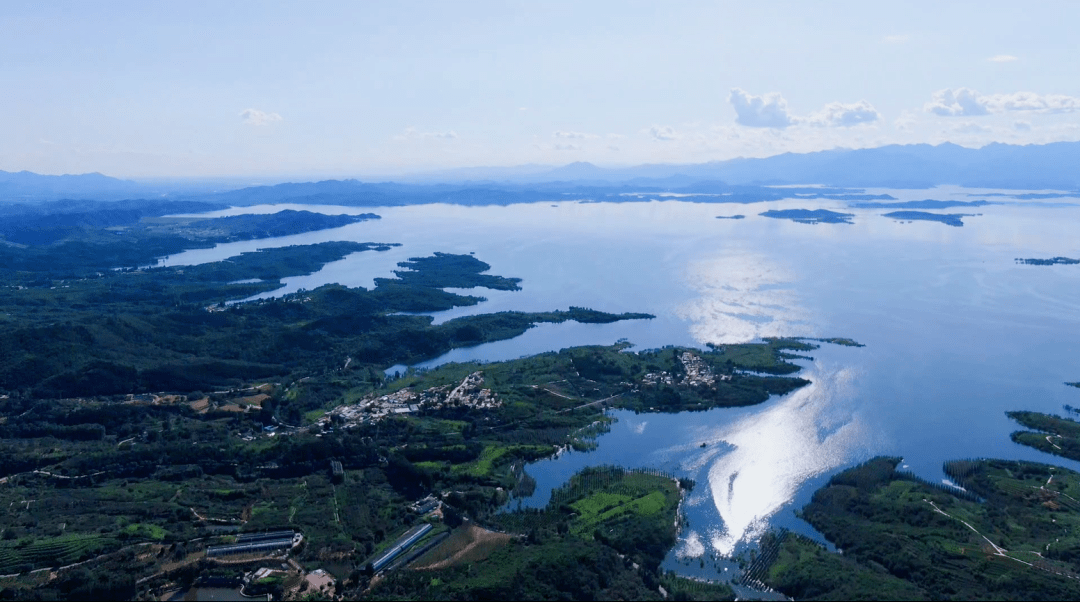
413, 134
965, 102
837, 114
565, 135
771, 111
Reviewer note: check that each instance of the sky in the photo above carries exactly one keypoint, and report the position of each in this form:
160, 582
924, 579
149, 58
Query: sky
353, 89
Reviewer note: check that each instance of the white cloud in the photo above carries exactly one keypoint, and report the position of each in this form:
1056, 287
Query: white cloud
953, 103
838, 114
1023, 126
967, 102
771, 111
567, 147
969, 127
663, 132
1030, 101
257, 117
896, 39
1002, 58
768, 111
413, 134
572, 135
905, 121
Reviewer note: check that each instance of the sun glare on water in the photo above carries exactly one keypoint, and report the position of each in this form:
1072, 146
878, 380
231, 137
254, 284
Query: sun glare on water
775, 451
770, 453
742, 297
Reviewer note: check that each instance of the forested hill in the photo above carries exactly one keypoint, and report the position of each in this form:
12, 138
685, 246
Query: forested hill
118, 332
65, 244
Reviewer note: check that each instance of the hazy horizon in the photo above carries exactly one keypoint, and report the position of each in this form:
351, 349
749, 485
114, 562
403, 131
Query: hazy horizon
259, 90
462, 174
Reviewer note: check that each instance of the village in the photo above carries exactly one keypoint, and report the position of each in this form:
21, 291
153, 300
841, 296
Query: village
697, 374
469, 393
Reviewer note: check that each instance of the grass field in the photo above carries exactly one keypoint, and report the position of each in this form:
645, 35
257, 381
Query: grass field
494, 456
602, 507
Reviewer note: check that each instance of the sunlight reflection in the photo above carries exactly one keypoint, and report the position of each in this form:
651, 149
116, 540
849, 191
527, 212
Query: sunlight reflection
742, 297
777, 450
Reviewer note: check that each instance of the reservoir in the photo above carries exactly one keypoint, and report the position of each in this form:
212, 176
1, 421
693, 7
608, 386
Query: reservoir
956, 332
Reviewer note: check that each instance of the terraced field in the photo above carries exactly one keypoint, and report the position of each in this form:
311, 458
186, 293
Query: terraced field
23, 555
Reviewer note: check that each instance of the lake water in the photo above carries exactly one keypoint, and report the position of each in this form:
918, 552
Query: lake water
956, 332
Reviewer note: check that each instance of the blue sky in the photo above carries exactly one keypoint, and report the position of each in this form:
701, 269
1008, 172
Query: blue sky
156, 89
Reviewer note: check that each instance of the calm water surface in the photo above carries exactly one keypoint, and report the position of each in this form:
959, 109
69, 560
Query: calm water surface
956, 333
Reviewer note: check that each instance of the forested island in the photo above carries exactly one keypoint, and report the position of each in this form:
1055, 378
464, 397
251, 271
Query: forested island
1051, 261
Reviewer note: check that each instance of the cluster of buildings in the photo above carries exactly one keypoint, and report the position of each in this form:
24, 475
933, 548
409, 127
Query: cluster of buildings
469, 393
696, 373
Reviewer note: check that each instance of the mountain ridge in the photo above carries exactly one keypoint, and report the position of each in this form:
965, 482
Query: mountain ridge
996, 165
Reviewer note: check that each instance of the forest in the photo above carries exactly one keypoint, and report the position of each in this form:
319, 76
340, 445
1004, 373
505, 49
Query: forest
111, 476
1009, 531
145, 414
175, 329
998, 529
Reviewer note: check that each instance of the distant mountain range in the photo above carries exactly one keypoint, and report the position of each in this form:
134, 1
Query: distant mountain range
1049, 166
1055, 165
26, 185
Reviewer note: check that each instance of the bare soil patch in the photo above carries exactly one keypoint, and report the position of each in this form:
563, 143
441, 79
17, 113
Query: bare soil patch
469, 543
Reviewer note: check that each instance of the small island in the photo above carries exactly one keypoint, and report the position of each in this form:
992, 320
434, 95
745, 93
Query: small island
1051, 261
730, 217
810, 216
949, 219
842, 341
924, 204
